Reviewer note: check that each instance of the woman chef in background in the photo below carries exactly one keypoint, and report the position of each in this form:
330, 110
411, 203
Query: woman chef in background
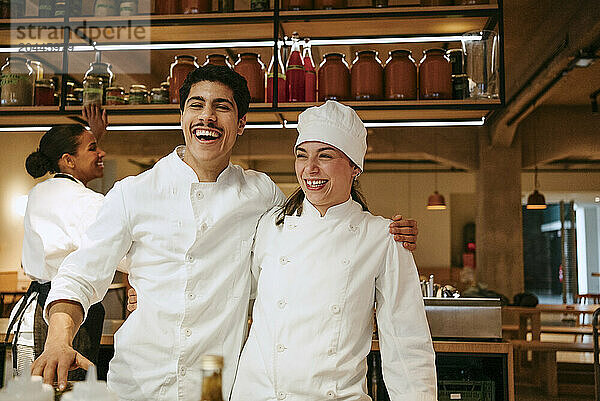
320, 261
59, 210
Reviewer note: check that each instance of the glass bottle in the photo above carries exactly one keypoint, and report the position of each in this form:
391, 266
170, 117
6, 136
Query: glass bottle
400, 76
179, 70
93, 86
16, 83
250, 67
366, 76
259, 5
217, 59
281, 77
196, 6
138, 94
167, 7
333, 78
38, 69
98, 73
294, 72
212, 365
310, 73
105, 8
435, 75
46, 8
128, 8
226, 6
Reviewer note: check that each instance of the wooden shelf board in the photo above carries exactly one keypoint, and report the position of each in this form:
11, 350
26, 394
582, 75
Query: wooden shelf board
406, 12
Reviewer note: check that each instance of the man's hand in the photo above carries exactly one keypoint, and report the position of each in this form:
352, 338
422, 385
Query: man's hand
131, 300
405, 231
96, 119
58, 359
59, 356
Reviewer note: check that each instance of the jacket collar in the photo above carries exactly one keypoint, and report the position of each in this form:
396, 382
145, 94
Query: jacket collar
188, 174
336, 212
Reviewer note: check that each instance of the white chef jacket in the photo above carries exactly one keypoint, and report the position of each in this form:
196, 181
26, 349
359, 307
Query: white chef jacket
313, 315
188, 248
59, 210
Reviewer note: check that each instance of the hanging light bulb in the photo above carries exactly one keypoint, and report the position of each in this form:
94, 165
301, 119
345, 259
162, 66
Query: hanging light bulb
436, 200
536, 200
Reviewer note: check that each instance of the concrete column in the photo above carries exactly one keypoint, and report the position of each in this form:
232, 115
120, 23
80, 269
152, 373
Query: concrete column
499, 218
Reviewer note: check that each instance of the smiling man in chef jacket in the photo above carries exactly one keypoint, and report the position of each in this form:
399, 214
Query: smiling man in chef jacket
186, 227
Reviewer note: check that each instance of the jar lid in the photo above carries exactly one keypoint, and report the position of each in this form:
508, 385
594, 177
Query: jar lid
71, 97
112, 88
164, 84
156, 89
137, 88
78, 90
454, 51
211, 362
333, 54
185, 57
100, 64
46, 83
434, 50
16, 58
249, 54
216, 55
460, 76
70, 83
367, 52
400, 51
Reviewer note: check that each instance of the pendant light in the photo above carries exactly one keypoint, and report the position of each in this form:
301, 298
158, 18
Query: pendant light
436, 200
536, 200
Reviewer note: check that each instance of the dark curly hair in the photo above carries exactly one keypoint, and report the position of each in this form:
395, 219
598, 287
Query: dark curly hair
224, 75
56, 142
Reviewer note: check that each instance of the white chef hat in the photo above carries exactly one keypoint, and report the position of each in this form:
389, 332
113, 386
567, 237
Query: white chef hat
337, 125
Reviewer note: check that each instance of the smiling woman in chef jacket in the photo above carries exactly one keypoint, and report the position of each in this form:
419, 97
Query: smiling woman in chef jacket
59, 210
320, 261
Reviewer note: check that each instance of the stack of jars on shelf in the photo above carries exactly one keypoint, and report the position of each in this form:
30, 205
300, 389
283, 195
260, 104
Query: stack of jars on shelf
22, 83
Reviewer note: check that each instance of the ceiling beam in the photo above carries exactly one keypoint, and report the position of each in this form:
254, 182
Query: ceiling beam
558, 132
581, 32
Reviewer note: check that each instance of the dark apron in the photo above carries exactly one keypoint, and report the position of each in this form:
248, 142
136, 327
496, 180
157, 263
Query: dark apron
86, 341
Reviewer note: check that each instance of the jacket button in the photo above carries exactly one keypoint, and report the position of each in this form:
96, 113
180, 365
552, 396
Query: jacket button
335, 309
189, 258
182, 371
283, 260
281, 395
331, 351
188, 332
200, 195
346, 262
280, 347
281, 303
191, 295
352, 228
203, 227
330, 394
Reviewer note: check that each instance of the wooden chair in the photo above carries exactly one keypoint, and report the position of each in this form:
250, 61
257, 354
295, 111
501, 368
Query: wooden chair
586, 299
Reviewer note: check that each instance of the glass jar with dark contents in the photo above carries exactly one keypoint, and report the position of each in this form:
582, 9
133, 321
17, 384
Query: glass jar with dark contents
115, 96
138, 94
44, 92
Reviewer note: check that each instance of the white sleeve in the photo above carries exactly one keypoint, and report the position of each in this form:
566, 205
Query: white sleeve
407, 354
84, 275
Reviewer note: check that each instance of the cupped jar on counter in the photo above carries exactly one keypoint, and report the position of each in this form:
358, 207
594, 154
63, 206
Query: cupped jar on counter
333, 78
400, 76
435, 75
366, 76
251, 67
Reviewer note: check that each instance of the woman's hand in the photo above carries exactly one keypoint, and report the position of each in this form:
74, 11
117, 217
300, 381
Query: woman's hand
96, 119
131, 300
405, 231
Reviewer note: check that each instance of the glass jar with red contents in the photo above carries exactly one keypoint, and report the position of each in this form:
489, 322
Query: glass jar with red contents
44, 92
435, 75
400, 76
217, 59
182, 66
250, 67
115, 95
366, 76
330, 4
296, 5
167, 7
196, 6
333, 78
281, 78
